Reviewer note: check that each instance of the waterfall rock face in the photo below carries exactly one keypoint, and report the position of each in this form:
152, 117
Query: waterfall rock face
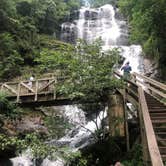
95, 23
68, 32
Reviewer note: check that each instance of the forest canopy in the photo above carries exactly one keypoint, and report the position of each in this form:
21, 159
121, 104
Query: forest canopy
22, 22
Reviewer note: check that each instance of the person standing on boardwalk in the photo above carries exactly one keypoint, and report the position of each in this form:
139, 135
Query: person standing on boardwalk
30, 83
126, 71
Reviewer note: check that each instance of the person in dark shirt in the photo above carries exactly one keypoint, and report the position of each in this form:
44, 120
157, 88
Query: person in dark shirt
126, 70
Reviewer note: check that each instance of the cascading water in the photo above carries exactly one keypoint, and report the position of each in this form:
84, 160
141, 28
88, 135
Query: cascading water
79, 136
106, 23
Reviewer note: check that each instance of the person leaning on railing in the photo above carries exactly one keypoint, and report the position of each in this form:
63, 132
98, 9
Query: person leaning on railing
126, 71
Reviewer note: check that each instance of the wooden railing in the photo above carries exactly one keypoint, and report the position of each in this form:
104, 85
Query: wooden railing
17, 90
151, 86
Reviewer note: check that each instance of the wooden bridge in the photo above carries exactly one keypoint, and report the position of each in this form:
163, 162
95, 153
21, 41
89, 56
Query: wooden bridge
42, 92
146, 94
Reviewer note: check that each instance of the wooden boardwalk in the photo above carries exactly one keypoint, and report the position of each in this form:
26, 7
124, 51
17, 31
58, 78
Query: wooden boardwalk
42, 92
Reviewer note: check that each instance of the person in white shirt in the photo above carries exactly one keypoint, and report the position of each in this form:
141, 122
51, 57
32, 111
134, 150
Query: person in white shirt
30, 83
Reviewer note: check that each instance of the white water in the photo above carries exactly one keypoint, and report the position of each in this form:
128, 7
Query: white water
78, 137
101, 22
84, 129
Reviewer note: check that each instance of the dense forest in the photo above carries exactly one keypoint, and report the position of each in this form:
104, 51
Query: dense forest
147, 19
22, 24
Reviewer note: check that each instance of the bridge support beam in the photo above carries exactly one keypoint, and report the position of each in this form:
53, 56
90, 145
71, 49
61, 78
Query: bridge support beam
116, 115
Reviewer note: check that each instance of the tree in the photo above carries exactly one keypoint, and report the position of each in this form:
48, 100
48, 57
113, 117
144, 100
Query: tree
90, 70
10, 58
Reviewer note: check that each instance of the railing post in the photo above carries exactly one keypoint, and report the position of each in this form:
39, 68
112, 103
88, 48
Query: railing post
116, 115
126, 123
18, 92
134, 78
36, 90
54, 93
143, 138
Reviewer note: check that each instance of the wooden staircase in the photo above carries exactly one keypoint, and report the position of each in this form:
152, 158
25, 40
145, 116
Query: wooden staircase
157, 111
149, 97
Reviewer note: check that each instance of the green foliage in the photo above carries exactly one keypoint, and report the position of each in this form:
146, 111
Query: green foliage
5, 105
134, 157
8, 142
21, 21
7, 108
8, 6
57, 126
47, 14
76, 159
38, 148
148, 21
89, 69
10, 58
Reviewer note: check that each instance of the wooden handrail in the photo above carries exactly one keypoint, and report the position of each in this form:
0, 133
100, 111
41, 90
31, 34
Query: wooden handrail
153, 87
154, 153
151, 81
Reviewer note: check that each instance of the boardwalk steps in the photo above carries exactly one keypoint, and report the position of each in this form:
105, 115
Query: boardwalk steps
157, 111
149, 97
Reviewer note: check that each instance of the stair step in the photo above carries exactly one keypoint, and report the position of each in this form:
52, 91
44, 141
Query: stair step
162, 150
159, 121
157, 109
161, 141
162, 134
157, 118
163, 157
162, 114
155, 104
160, 128
159, 125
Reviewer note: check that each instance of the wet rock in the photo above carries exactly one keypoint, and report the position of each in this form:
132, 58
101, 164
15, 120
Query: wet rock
28, 125
151, 68
58, 162
92, 15
68, 32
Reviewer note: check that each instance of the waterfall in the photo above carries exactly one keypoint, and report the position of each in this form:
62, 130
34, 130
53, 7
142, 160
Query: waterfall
103, 22
106, 23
